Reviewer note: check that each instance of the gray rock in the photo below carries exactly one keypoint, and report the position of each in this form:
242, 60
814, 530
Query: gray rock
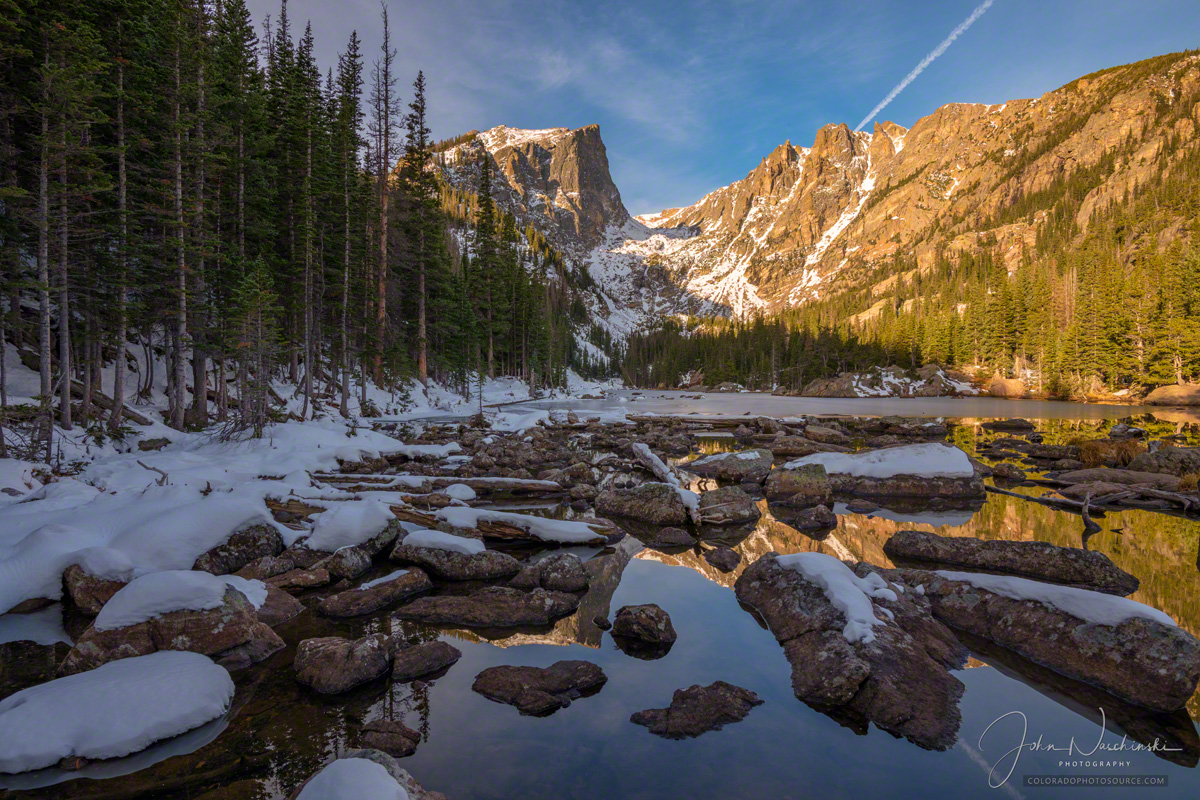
665, 537
653, 503
1169, 460
817, 518
540, 691
1073, 566
559, 572
244, 546
699, 709
331, 664
728, 505
826, 435
723, 558
1125, 477
796, 446
451, 565
346, 564
391, 736
740, 467
645, 623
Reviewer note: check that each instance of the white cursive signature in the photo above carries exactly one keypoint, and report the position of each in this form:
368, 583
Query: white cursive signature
1037, 745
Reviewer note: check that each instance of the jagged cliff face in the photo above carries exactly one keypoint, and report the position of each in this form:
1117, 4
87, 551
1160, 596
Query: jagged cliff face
809, 222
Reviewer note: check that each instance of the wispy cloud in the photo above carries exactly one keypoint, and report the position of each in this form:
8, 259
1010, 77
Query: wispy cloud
927, 60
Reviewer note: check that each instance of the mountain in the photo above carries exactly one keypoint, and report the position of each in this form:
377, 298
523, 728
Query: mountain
810, 222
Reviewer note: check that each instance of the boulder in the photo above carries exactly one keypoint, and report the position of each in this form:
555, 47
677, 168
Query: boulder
809, 519
331, 664
727, 505
1121, 646
266, 567
723, 558
800, 487
391, 736
1000, 386
492, 607
698, 709
746, 466
346, 564
645, 623
1177, 395
540, 691
1168, 460
887, 662
26, 663
1009, 472
1010, 424
279, 607
665, 537
244, 546
795, 446
826, 435
455, 566
559, 572
301, 579
1072, 566
413, 661
374, 595
1124, 477
231, 634
653, 503
87, 592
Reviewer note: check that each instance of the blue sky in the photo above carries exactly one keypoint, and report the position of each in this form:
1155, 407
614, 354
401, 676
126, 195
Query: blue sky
690, 96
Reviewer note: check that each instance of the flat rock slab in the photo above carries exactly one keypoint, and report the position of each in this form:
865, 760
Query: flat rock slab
416, 660
493, 607
1124, 477
654, 503
1072, 566
794, 446
740, 467
698, 710
452, 565
539, 691
358, 601
728, 505
331, 664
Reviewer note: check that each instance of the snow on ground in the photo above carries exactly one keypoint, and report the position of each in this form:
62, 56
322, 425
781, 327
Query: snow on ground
114, 710
159, 593
349, 524
1094, 607
438, 540
929, 460
847, 592
18, 476
549, 530
353, 779
459, 491
43, 627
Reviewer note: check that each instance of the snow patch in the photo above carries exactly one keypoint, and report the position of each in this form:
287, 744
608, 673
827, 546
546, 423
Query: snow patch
929, 460
439, 540
847, 592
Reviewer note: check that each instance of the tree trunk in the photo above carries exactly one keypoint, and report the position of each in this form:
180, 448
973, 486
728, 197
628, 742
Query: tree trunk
122, 322
199, 410
64, 296
178, 366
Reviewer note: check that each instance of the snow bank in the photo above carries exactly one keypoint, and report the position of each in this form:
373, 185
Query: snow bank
415, 451
18, 476
353, 779
549, 530
437, 540
114, 710
160, 593
510, 421
43, 627
847, 592
159, 528
105, 563
349, 524
930, 460
1094, 607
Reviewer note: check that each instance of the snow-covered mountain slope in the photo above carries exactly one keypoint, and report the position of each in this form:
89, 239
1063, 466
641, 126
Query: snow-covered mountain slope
809, 222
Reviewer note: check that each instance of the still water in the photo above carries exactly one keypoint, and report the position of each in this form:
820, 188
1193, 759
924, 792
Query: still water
279, 732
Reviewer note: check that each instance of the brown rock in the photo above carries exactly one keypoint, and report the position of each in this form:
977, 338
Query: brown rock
331, 665
723, 558
728, 505
244, 546
493, 607
558, 572
645, 623
301, 579
279, 607
421, 659
800, 487
1124, 477
391, 736
741, 467
796, 446
1169, 460
653, 503
455, 566
357, 601
1177, 395
540, 691
87, 592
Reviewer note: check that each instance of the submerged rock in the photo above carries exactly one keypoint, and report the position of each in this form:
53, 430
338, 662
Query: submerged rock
559, 572
654, 503
817, 518
375, 595
723, 558
698, 709
416, 660
665, 537
539, 691
887, 662
728, 505
746, 466
493, 607
391, 736
1072, 566
331, 664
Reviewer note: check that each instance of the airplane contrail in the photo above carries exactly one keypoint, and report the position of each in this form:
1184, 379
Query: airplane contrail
927, 60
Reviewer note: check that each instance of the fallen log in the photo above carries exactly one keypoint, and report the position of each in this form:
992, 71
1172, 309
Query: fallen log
105, 402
